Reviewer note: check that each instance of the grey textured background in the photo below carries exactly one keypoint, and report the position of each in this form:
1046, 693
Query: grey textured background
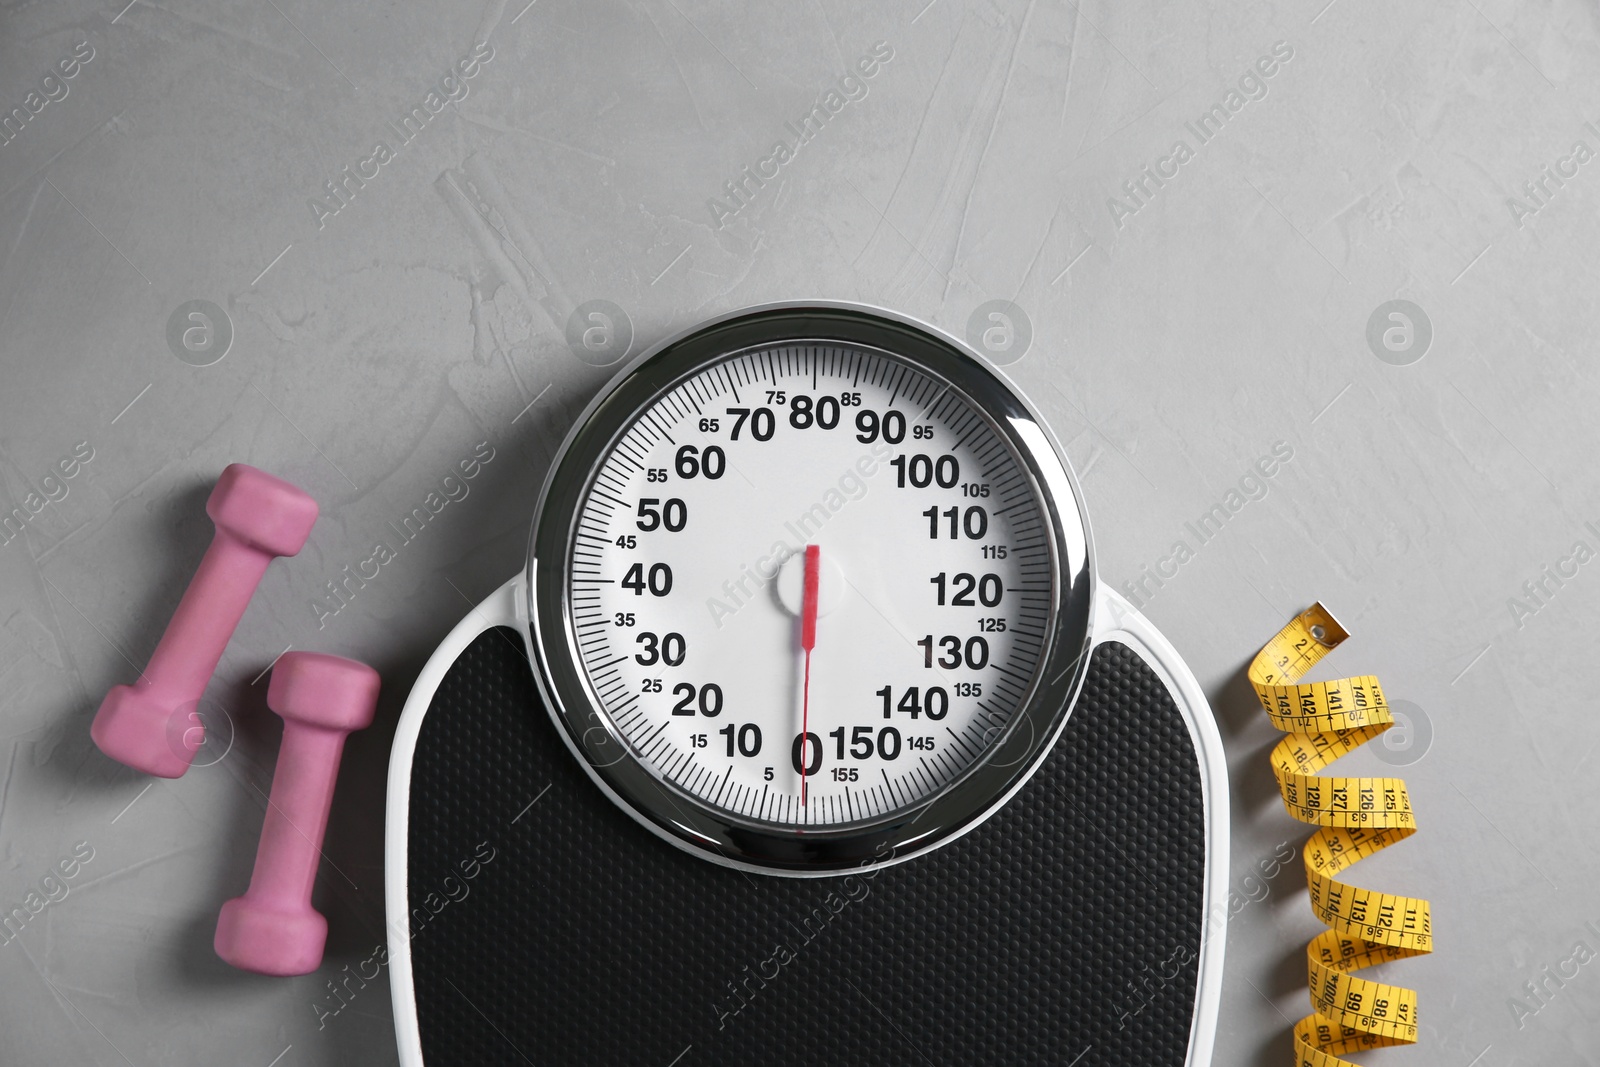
1173, 345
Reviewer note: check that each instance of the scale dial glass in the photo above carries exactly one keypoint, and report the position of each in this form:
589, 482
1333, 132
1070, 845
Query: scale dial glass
687, 590
809, 588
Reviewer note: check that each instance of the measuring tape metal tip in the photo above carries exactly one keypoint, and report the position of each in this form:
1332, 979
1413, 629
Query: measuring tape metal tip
1324, 628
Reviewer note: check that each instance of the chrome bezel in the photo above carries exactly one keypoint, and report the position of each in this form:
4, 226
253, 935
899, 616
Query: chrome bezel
721, 836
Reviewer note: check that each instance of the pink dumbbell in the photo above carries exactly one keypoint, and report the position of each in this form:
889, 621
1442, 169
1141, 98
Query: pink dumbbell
147, 725
273, 928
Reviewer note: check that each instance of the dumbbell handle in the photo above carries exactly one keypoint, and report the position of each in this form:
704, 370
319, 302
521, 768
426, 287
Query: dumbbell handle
297, 814
205, 619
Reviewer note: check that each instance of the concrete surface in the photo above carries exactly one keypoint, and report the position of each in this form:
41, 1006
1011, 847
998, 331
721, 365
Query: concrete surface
378, 336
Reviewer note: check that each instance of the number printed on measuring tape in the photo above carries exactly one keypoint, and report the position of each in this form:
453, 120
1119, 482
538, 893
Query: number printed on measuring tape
1356, 818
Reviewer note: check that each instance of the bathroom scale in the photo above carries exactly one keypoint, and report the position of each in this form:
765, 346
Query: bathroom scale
807, 736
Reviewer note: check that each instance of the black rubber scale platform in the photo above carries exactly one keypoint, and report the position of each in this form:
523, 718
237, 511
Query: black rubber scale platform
1065, 930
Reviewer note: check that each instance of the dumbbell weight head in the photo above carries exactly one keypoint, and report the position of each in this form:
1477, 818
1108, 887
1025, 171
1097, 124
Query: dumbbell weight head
329, 692
261, 510
268, 937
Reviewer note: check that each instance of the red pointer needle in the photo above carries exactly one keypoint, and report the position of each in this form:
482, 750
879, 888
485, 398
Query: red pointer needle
808, 641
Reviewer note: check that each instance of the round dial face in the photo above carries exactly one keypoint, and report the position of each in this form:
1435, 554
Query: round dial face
809, 590
811, 584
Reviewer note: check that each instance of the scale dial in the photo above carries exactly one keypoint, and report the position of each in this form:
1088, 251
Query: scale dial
803, 594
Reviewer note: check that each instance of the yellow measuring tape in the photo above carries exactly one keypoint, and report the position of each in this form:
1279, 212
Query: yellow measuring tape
1357, 817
